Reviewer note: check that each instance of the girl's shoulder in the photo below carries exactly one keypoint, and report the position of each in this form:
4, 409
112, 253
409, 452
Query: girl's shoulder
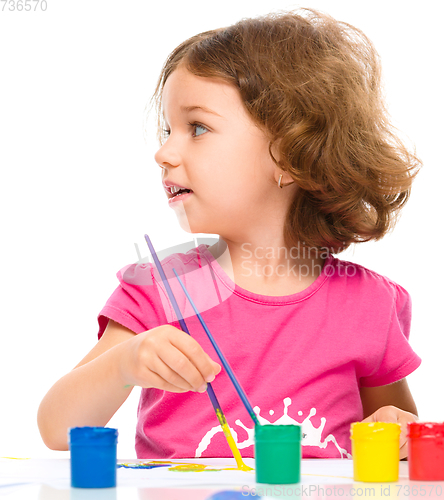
362, 278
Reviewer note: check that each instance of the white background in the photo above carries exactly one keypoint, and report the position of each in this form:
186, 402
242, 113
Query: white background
79, 185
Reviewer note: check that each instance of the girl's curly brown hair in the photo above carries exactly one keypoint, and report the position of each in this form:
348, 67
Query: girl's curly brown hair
314, 85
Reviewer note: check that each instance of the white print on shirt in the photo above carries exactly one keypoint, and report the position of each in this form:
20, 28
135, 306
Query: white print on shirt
313, 435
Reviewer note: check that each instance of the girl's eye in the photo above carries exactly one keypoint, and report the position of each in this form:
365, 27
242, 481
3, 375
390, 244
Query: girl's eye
197, 127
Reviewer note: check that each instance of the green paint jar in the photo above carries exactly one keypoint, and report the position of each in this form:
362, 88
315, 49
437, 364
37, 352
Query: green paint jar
278, 453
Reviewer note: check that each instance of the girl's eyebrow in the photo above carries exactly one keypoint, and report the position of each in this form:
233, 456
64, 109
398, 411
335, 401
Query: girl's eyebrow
201, 108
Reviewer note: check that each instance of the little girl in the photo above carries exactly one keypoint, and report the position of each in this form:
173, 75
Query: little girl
275, 137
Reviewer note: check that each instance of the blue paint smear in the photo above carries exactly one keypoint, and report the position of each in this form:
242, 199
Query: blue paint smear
231, 495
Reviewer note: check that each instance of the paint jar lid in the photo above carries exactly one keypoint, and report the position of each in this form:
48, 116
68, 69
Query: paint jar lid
277, 433
425, 429
95, 436
379, 431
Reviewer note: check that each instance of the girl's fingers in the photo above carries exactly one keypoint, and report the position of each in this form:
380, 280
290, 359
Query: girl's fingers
160, 383
169, 375
180, 369
198, 358
175, 358
403, 451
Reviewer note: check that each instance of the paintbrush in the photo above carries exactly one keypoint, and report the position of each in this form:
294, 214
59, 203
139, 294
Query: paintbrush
227, 367
210, 391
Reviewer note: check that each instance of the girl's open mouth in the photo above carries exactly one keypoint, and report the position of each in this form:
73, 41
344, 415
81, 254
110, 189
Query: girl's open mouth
180, 196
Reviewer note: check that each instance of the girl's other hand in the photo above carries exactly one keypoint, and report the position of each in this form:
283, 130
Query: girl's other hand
168, 359
396, 415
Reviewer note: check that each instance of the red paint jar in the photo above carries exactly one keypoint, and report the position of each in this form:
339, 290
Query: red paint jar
426, 451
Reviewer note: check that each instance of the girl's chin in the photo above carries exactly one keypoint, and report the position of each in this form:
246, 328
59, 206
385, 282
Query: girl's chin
190, 223
194, 227
187, 224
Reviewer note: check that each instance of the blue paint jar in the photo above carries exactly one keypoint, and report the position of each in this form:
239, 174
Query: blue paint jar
93, 457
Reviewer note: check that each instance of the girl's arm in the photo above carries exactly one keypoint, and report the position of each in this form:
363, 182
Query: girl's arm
89, 395
396, 394
164, 357
390, 403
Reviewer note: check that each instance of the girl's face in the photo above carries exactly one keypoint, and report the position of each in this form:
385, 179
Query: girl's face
214, 149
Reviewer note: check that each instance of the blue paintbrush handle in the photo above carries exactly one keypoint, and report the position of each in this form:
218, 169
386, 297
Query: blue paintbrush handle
167, 285
215, 403
227, 367
182, 323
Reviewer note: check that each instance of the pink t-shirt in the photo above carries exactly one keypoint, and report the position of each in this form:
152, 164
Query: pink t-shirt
300, 358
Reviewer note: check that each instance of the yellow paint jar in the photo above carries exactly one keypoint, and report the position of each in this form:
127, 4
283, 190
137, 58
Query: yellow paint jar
375, 450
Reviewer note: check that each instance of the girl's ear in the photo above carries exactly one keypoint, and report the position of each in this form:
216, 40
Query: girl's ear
275, 150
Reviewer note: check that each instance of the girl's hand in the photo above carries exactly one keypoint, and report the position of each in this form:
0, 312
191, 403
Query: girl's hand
168, 359
394, 414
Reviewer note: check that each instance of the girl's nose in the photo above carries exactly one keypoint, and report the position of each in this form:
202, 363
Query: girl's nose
167, 156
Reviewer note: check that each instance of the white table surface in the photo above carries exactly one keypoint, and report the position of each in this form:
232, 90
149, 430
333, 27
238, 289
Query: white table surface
49, 479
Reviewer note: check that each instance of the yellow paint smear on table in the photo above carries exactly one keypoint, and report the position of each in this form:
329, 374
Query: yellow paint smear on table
181, 466
16, 458
193, 468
